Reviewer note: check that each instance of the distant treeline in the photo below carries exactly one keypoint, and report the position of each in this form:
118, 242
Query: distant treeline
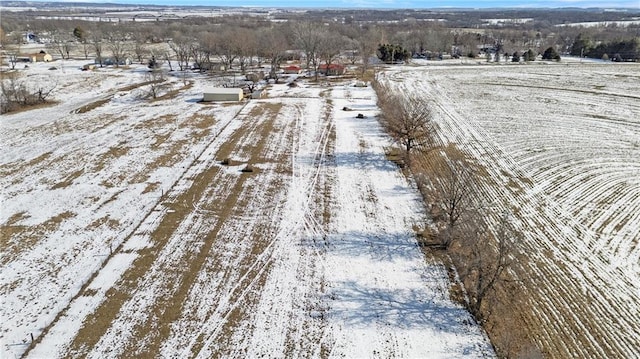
616, 50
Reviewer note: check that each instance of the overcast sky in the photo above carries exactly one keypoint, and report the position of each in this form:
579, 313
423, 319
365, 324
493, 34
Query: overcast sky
389, 4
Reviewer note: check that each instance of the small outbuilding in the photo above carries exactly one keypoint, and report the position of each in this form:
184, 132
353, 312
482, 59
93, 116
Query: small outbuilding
41, 56
222, 94
258, 94
292, 70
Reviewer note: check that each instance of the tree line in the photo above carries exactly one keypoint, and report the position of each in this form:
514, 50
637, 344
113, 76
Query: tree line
238, 41
627, 49
477, 241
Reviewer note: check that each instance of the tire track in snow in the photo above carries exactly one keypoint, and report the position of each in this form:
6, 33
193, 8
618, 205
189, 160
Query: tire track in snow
302, 182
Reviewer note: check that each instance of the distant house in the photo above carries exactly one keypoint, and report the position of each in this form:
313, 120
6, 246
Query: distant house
41, 56
222, 94
332, 70
292, 69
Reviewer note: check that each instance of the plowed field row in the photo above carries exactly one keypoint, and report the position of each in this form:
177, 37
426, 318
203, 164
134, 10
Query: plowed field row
565, 163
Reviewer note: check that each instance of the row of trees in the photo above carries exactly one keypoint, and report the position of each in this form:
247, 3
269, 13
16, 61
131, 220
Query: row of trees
448, 181
201, 45
232, 40
480, 242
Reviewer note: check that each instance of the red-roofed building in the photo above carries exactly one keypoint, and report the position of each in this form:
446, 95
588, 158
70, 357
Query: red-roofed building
332, 70
292, 69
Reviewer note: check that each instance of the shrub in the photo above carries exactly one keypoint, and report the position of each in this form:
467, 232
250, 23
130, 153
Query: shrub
529, 55
551, 54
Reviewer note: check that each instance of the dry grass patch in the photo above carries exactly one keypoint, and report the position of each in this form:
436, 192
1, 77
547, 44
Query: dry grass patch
156, 122
112, 198
135, 86
395, 155
171, 156
17, 166
68, 181
91, 106
10, 229
173, 93
24, 108
151, 187
15, 239
109, 222
10, 74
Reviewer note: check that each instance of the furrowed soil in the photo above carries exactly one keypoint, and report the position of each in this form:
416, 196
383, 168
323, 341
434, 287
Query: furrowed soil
559, 143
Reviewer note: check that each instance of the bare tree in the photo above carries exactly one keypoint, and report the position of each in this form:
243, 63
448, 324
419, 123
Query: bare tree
491, 256
63, 44
156, 79
408, 120
308, 37
118, 44
227, 50
329, 47
11, 45
139, 46
272, 45
168, 59
245, 45
119, 50
96, 41
454, 179
367, 42
15, 94
181, 47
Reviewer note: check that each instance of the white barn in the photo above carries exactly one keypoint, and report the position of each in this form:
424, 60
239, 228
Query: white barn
222, 94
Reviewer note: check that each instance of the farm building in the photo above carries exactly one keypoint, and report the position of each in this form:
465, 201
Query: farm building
332, 70
222, 94
40, 57
292, 69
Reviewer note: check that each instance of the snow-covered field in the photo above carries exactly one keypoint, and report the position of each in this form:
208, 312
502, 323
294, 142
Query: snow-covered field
561, 145
124, 236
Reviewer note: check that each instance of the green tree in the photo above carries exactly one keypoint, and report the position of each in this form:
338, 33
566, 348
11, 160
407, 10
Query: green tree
581, 46
529, 55
551, 54
392, 53
79, 34
515, 57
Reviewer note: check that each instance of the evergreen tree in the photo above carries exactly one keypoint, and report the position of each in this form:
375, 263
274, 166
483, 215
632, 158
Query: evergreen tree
551, 54
79, 33
392, 53
529, 56
581, 46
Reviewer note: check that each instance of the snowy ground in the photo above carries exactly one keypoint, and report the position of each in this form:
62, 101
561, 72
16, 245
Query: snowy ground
561, 145
124, 235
